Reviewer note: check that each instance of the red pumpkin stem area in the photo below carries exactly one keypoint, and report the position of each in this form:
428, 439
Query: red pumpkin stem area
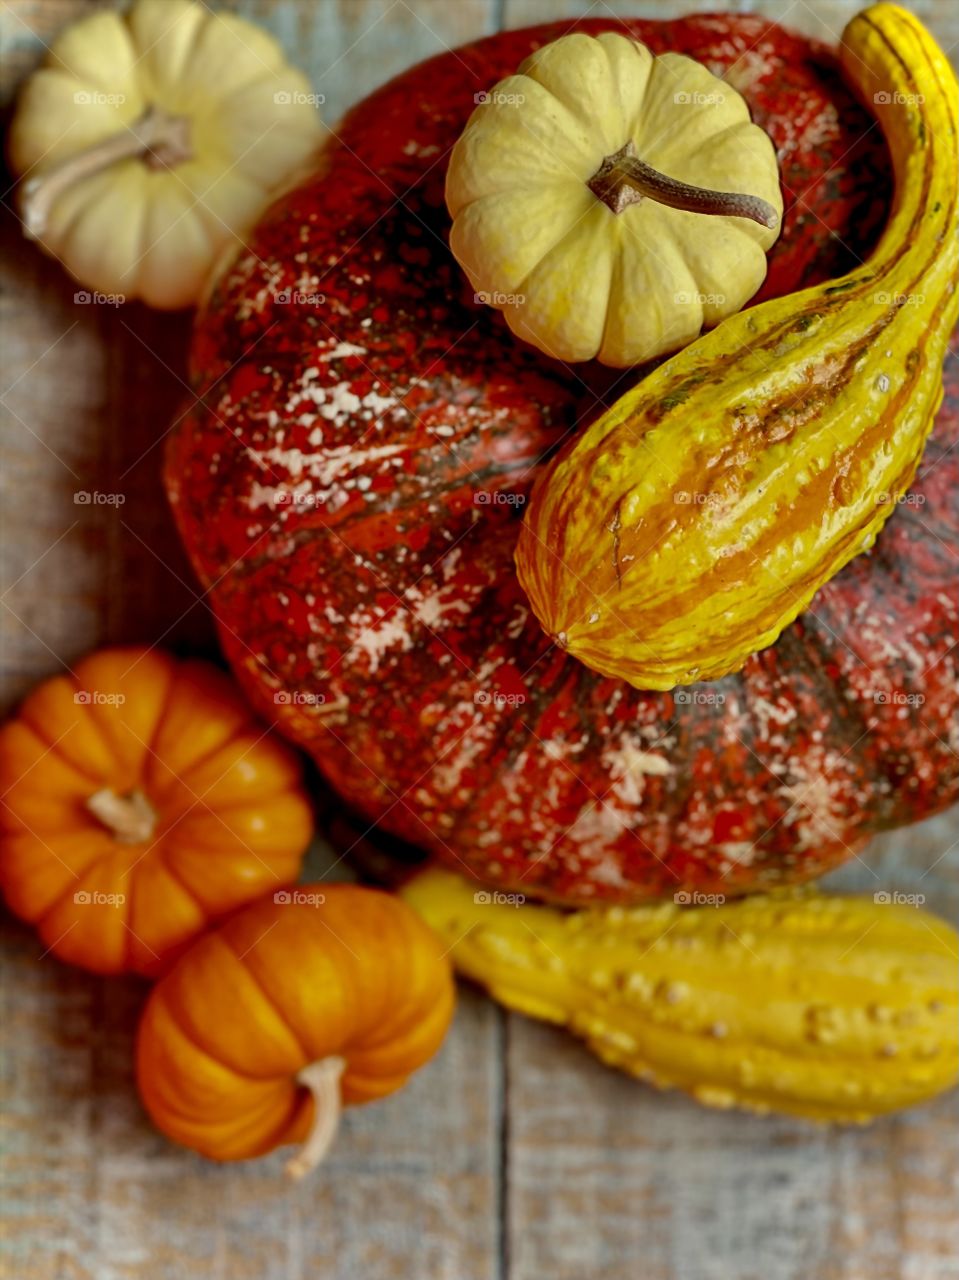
623, 179
130, 819
161, 139
323, 1081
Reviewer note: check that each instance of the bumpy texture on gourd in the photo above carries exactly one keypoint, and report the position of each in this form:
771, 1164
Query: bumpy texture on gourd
831, 1008
699, 516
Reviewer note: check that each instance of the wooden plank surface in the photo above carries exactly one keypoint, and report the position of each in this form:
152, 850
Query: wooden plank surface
514, 1155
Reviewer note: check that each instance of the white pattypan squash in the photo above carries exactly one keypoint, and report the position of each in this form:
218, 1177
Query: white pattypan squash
150, 141
611, 203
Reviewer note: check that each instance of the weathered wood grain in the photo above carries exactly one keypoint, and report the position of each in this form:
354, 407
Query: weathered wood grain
514, 1156
351, 47
96, 1194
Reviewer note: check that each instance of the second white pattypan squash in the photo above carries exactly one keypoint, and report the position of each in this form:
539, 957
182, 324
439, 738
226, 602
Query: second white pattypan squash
150, 141
611, 203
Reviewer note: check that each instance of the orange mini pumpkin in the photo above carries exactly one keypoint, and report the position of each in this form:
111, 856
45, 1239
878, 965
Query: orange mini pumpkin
326, 994
142, 800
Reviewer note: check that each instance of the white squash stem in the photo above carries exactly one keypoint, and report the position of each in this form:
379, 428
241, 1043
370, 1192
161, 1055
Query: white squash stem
623, 179
131, 819
163, 139
323, 1081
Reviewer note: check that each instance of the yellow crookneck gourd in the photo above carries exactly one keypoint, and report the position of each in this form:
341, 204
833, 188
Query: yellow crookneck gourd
836, 1009
699, 516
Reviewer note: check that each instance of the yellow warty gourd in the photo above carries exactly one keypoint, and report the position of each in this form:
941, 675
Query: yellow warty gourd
698, 517
832, 1008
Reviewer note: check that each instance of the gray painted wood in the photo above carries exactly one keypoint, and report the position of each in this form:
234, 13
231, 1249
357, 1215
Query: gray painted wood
514, 1155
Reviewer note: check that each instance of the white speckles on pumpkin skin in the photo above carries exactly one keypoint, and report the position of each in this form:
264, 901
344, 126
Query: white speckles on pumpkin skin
767, 713
330, 475
517, 623
341, 350
336, 403
253, 302
278, 495
608, 872
746, 72
470, 731
435, 609
423, 150
376, 405
886, 647
629, 767
598, 827
375, 634
741, 853
818, 796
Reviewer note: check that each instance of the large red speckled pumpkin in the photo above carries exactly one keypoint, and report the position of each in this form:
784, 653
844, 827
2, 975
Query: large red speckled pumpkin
349, 493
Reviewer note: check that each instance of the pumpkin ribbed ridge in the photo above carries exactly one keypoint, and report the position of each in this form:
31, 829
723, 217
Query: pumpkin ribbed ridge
836, 1009
321, 971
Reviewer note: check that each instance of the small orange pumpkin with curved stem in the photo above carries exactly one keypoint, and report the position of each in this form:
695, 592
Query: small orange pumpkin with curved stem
141, 801
322, 995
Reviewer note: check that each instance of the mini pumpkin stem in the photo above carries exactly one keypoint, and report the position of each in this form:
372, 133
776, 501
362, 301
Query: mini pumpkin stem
163, 139
623, 179
131, 819
323, 1081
